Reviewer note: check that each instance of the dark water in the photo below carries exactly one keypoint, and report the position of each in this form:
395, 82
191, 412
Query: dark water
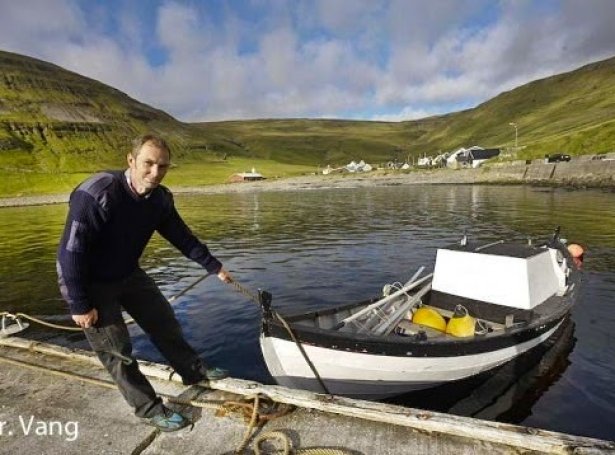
318, 248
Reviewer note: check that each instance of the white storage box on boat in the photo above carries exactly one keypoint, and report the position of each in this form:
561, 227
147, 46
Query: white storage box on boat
523, 277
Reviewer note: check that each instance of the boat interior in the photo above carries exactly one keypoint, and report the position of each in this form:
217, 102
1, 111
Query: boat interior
475, 290
398, 317
485, 319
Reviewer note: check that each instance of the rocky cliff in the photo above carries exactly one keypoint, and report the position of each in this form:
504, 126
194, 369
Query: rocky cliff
53, 119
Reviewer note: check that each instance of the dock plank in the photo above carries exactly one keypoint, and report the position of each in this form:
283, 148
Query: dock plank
107, 425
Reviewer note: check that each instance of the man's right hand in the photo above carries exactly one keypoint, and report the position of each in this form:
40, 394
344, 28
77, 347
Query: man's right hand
86, 320
225, 276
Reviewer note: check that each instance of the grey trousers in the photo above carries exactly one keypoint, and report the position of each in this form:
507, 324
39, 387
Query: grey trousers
141, 298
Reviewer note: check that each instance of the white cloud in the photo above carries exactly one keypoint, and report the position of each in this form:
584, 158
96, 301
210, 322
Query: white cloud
182, 32
313, 58
36, 26
407, 113
348, 17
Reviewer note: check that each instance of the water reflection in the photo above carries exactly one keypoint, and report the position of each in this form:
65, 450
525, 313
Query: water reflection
508, 393
322, 247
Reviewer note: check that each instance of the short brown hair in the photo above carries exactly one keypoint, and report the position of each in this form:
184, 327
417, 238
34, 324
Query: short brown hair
155, 139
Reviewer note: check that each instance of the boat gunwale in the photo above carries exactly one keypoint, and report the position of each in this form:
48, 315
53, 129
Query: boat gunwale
401, 346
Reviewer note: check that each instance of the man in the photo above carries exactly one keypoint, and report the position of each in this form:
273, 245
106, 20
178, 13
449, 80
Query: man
111, 218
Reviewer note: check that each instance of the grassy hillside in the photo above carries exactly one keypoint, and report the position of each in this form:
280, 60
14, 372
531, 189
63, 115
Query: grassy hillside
52, 120
572, 112
56, 126
317, 142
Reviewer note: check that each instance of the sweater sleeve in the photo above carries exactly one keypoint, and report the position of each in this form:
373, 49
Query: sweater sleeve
174, 229
85, 219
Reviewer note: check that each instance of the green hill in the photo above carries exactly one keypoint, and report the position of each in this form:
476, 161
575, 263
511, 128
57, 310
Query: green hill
56, 125
54, 120
572, 112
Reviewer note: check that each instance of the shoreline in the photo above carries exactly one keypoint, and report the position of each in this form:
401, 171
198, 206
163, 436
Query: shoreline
578, 175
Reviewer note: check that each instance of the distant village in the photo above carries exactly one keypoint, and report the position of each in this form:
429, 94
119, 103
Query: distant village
462, 158
472, 157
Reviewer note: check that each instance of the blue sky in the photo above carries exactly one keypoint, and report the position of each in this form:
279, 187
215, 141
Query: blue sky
358, 59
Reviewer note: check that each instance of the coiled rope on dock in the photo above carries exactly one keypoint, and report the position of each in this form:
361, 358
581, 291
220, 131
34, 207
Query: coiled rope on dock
287, 447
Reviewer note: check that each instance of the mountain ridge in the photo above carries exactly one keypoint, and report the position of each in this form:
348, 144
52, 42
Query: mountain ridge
54, 120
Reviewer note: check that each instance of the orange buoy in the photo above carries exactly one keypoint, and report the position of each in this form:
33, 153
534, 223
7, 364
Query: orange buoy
577, 252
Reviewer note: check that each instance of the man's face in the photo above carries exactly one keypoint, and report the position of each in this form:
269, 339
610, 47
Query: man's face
149, 168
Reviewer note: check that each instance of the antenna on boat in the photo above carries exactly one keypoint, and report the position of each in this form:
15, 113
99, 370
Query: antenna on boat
555, 237
464, 239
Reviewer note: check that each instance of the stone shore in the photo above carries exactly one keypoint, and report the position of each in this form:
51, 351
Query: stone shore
578, 174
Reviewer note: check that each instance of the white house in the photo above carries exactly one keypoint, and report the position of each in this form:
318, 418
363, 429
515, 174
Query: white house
246, 177
452, 161
424, 161
361, 166
461, 156
478, 157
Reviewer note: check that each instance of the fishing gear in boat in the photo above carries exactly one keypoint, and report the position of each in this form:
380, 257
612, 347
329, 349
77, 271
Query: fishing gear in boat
377, 316
461, 324
429, 317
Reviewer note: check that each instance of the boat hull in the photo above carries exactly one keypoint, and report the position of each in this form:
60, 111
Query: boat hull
372, 376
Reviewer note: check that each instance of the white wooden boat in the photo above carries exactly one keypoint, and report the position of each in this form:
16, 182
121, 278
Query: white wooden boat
373, 350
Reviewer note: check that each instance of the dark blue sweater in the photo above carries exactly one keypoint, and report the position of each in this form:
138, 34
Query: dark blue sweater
107, 229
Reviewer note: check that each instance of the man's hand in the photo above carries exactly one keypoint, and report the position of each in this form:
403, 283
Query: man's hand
224, 276
86, 320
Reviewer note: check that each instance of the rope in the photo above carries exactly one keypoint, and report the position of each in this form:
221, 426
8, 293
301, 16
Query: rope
255, 299
242, 290
248, 435
483, 327
287, 447
16, 316
186, 289
303, 353
273, 435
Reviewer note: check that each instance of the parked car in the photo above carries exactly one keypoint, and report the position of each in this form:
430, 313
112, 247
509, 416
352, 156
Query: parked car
556, 158
602, 158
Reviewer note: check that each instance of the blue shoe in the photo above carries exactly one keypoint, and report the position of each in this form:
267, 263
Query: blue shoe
202, 373
215, 373
168, 421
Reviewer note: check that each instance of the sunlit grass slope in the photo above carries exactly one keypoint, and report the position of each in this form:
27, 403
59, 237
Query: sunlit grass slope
57, 126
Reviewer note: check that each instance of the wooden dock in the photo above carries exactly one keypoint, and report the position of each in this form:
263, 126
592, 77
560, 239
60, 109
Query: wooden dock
56, 400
